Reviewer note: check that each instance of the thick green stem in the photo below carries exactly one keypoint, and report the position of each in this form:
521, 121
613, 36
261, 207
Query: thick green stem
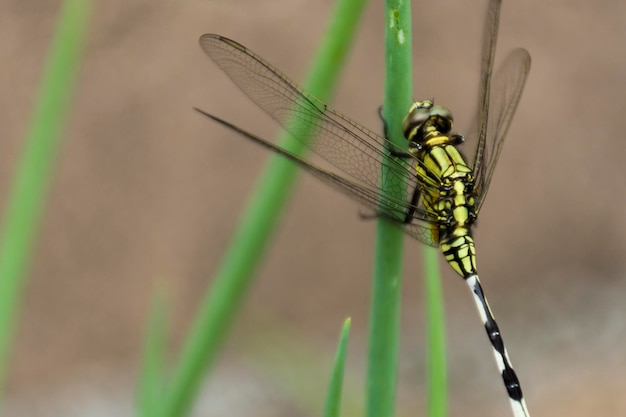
387, 286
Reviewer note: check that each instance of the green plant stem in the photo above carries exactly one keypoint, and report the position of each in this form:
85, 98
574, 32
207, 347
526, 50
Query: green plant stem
435, 336
385, 313
233, 278
27, 195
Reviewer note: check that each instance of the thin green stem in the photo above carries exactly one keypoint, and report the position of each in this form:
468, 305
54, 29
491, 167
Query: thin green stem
26, 198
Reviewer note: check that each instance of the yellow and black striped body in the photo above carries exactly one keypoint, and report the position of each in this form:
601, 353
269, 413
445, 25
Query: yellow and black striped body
427, 128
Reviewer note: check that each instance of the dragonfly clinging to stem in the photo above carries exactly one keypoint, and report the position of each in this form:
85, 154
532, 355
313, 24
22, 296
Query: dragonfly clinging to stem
444, 191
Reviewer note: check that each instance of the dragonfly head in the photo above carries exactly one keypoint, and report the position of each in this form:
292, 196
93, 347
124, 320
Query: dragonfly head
426, 120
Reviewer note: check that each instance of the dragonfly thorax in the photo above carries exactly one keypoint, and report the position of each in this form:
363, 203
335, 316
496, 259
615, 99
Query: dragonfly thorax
456, 211
427, 124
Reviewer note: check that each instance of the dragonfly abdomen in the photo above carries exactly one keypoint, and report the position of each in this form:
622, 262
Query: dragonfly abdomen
459, 250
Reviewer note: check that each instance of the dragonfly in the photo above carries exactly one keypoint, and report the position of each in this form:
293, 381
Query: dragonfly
435, 194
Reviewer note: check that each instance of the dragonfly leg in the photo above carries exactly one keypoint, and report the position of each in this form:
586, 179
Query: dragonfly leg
408, 216
457, 139
393, 152
382, 118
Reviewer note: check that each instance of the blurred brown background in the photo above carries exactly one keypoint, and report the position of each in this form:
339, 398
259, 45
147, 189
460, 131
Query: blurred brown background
146, 191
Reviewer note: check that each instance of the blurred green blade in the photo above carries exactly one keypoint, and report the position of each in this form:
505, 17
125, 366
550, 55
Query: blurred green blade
335, 387
259, 221
152, 377
27, 195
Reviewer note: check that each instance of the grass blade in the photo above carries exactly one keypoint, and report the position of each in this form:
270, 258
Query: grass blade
152, 377
27, 195
234, 276
335, 387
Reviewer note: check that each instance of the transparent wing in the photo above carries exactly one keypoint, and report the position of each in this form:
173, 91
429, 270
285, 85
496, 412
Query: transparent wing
345, 144
353, 149
490, 39
497, 101
390, 208
506, 90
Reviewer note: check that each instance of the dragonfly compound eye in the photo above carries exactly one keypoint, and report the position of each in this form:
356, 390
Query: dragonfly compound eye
418, 114
424, 117
442, 119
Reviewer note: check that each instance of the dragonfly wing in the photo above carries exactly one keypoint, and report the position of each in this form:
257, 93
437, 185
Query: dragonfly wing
387, 207
490, 39
507, 87
351, 148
